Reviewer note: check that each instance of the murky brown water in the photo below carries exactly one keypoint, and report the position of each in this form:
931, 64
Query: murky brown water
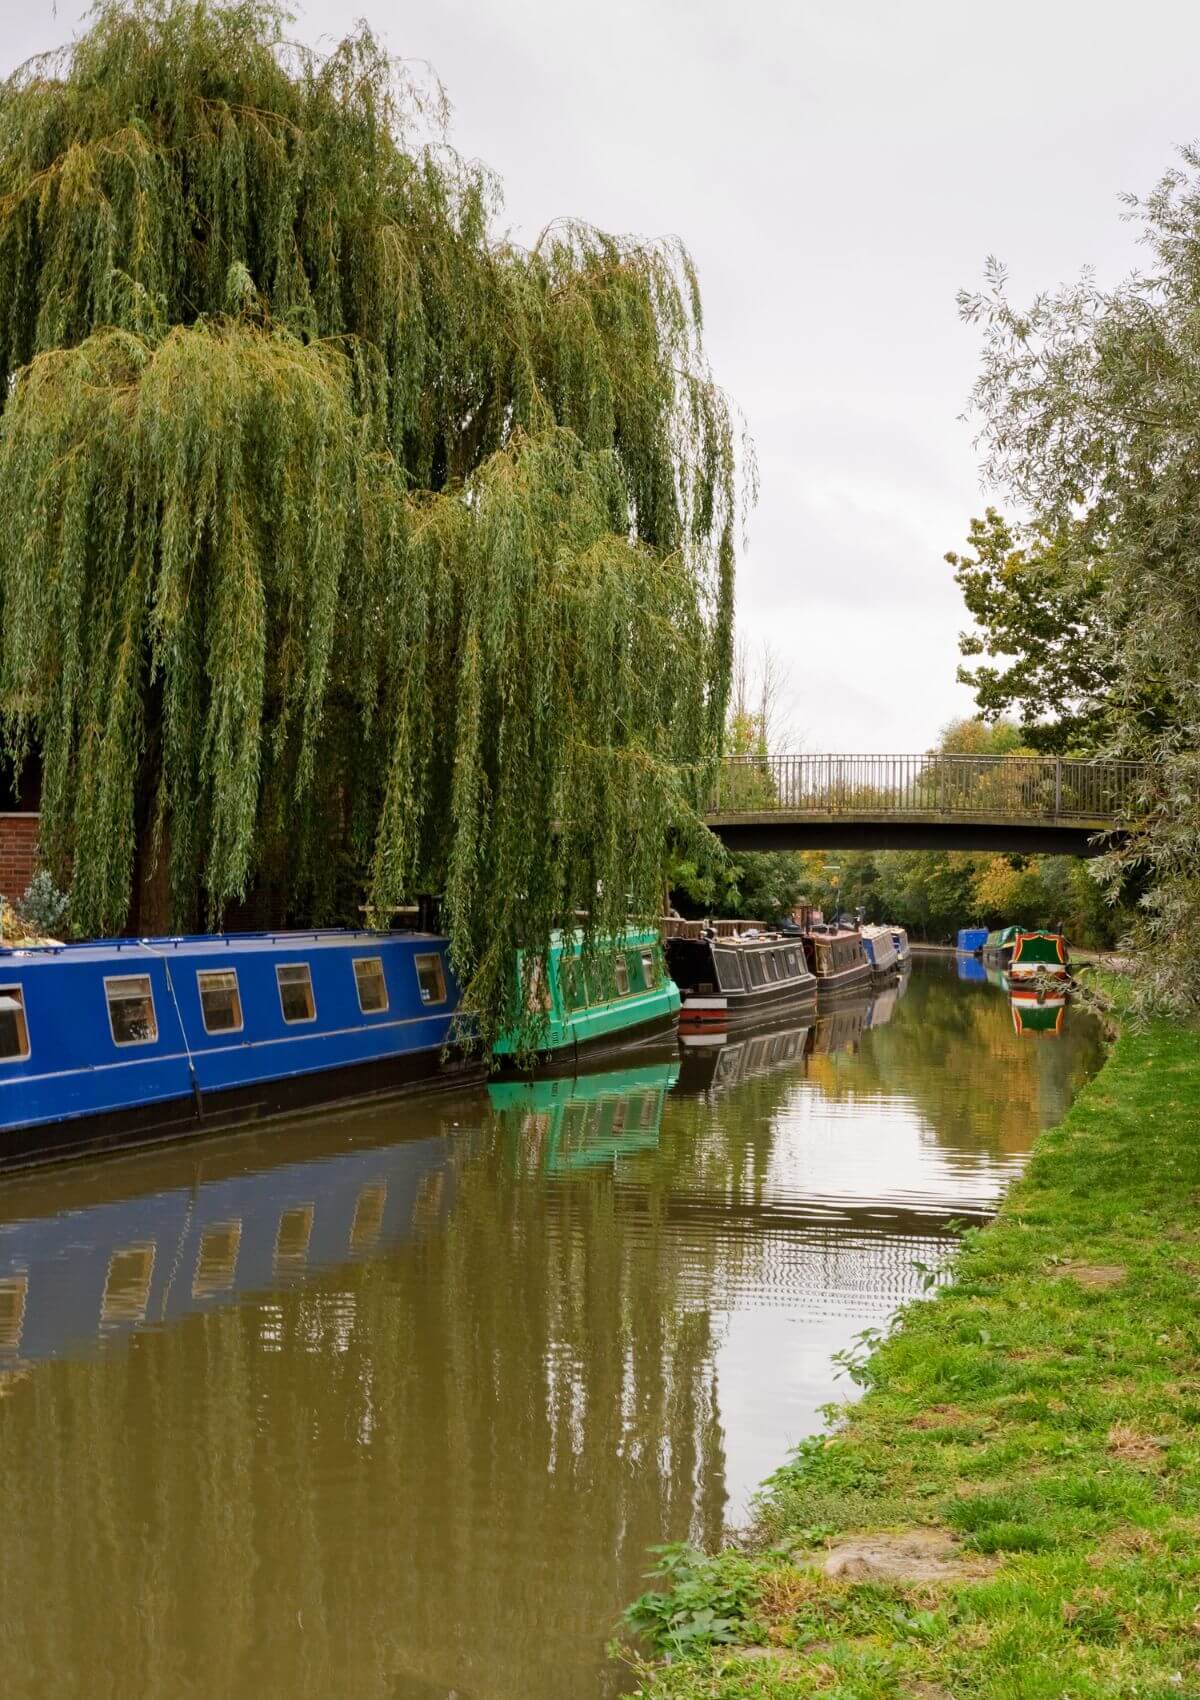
390, 1407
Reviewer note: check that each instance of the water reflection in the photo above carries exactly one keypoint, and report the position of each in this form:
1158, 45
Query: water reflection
80, 1270
391, 1405
564, 1124
1038, 1012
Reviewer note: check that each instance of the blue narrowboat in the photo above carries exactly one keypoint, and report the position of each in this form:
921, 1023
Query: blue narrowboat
128, 1040
971, 940
879, 943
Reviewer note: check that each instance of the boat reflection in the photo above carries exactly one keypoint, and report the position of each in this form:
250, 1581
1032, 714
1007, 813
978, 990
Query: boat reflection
718, 1063
586, 1120
882, 1006
173, 1234
1035, 1013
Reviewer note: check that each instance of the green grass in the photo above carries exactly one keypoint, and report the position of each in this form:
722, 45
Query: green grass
1052, 1427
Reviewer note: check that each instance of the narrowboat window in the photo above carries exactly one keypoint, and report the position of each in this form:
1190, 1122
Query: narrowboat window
570, 978
650, 969
127, 1288
216, 1261
295, 991
793, 965
368, 1215
131, 1010
431, 977
729, 970
292, 1237
603, 983
774, 965
537, 1000
754, 969
372, 987
14, 1030
621, 970
13, 1292
220, 1000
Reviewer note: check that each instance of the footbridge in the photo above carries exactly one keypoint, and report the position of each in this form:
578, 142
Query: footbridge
1028, 804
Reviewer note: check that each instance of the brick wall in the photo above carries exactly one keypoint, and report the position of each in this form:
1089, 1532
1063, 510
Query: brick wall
18, 853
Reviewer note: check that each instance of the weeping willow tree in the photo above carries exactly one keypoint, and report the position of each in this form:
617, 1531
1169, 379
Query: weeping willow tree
346, 549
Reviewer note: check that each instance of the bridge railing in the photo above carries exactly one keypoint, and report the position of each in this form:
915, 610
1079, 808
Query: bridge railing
997, 787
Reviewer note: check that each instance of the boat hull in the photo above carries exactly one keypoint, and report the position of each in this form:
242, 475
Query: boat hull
577, 1051
232, 1107
742, 1008
852, 981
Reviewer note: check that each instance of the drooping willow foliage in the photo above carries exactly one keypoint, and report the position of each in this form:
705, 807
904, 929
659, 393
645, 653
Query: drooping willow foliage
346, 550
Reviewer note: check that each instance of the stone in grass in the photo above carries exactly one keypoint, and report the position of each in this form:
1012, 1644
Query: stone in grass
786, 1660
916, 1555
1095, 1275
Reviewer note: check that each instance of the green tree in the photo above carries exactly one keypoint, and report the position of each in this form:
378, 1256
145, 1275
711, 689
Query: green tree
1090, 402
345, 545
980, 736
1041, 621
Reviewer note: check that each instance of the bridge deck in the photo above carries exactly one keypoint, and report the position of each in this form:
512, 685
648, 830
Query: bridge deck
1025, 803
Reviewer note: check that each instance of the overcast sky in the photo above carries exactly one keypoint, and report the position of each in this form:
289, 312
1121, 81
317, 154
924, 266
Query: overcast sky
838, 171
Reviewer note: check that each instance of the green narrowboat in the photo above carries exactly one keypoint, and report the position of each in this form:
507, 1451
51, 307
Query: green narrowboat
587, 1121
619, 995
1039, 955
997, 952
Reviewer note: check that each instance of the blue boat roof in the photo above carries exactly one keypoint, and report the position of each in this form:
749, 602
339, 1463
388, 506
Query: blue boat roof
205, 944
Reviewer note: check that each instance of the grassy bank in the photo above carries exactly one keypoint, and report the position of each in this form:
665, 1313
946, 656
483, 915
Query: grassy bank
1026, 1458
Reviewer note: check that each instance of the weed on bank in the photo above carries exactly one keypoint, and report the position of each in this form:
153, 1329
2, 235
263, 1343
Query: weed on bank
1013, 1510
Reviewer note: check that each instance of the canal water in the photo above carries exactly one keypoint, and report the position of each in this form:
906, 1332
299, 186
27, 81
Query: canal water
390, 1406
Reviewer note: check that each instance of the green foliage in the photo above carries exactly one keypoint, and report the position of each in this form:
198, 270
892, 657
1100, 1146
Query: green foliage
1039, 606
1088, 404
706, 1602
979, 736
344, 544
44, 909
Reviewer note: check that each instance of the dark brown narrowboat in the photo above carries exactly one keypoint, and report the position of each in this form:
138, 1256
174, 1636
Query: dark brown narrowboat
723, 981
837, 958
